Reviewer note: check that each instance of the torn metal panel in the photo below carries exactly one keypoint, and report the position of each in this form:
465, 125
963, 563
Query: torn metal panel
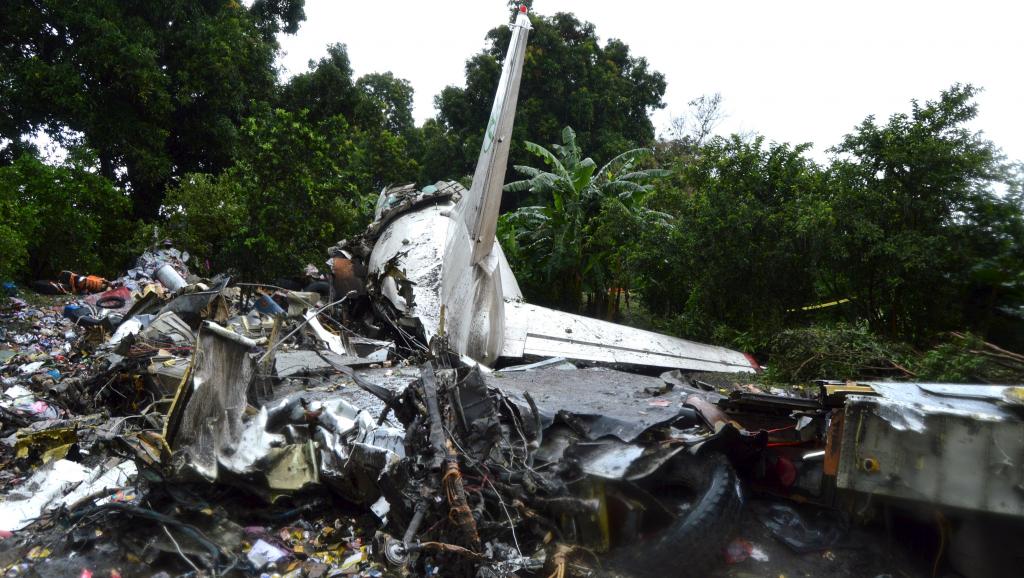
303, 362
611, 459
211, 416
291, 467
334, 342
418, 238
599, 401
199, 305
945, 444
167, 374
906, 405
373, 350
168, 327
301, 302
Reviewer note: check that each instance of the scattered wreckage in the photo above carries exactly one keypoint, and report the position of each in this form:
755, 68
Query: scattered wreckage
214, 412
476, 471
415, 417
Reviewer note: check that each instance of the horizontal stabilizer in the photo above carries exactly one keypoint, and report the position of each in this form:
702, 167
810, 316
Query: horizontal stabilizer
534, 330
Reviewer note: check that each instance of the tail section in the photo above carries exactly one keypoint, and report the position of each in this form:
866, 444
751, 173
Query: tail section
479, 210
472, 297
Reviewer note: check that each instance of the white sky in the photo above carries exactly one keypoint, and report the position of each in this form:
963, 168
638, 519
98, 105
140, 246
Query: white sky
792, 70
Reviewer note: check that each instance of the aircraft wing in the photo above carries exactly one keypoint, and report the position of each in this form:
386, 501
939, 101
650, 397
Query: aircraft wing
535, 330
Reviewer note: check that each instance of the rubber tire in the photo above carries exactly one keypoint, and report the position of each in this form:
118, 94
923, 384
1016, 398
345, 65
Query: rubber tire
112, 302
693, 544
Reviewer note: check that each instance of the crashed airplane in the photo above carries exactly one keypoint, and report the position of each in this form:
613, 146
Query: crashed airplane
471, 433
433, 256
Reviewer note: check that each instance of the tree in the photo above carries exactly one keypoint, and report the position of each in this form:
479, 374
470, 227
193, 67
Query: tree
155, 89
296, 187
560, 253
15, 219
58, 217
687, 134
438, 151
325, 90
743, 242
377, 108
916, 212
387, 102
569, 79
697, 126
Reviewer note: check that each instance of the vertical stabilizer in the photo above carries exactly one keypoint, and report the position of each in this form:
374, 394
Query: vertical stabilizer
479, 211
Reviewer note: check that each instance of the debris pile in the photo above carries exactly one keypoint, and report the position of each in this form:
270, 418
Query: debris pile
173, 425
176, 424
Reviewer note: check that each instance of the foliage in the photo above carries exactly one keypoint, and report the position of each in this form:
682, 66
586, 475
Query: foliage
969, 358
604, 92
904, 193
438, 152
569, 245
157, 90
325, 90
845, 351
207, 215
62, 217
842, 351
15, 217
741, 246
386, 101
377, 108
294, 189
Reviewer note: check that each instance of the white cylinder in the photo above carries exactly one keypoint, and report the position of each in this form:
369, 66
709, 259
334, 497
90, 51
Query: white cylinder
169, 277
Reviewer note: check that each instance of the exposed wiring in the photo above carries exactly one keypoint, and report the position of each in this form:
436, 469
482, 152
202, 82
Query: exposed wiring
942, 522
178, 548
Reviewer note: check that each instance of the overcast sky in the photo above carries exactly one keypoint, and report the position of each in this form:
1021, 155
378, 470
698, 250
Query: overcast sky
794, 70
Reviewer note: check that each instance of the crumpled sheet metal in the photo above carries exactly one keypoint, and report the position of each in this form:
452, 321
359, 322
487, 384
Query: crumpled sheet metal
206, 419
907, 405
615, 460
608, 458
212, 433
355, 452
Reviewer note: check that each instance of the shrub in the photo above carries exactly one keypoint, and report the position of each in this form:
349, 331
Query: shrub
842, 351
57, 217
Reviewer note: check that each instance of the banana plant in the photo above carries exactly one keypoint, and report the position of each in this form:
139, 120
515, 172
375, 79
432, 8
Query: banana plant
556, 237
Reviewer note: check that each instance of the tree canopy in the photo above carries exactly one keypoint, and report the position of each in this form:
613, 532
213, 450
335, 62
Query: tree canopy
157, 90
570, 79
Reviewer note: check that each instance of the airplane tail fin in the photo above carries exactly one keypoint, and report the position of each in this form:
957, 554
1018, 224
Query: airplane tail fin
479, 210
